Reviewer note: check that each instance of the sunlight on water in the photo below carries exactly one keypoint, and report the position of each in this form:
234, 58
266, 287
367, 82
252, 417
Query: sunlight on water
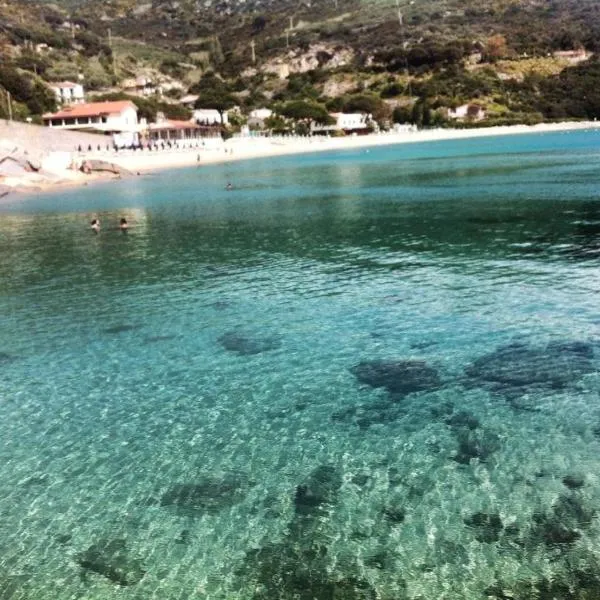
356, 376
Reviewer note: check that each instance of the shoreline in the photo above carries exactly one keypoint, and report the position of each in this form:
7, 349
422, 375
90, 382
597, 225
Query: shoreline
236, 149
250, 148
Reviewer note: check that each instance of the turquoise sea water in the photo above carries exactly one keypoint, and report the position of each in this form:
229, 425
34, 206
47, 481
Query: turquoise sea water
358, 375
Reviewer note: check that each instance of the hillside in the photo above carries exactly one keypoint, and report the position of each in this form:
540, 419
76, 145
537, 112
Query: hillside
412, 60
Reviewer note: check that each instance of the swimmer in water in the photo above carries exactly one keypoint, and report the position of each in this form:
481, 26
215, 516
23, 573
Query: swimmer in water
95, 225
228, 187
123, 225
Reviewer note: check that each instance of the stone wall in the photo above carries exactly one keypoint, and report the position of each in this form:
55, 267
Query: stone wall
39, 141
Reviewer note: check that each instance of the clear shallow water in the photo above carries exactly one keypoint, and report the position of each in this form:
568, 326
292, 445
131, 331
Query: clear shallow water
195, 409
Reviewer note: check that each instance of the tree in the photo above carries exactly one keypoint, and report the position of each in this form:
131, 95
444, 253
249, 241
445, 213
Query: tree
258, 24
402, 114
495, 48
300, 110
368, 104
28, 90
305, 114
218, 99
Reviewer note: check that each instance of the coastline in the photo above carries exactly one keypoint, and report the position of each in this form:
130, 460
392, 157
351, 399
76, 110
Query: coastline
236, 149
249, 148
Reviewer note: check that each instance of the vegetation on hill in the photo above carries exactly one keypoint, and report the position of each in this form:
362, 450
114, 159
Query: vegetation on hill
400, 61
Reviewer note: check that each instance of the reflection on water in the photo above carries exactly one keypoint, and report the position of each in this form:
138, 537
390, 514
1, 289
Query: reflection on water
366, 375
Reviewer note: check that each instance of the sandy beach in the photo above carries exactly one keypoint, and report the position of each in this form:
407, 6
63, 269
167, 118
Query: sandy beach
215, 150
248, 148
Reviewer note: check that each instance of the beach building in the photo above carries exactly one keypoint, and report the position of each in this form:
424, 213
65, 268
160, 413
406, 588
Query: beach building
117, 118
257, 118
189, 100
209, 116
344, 122
68, 92
169, 130
260, 113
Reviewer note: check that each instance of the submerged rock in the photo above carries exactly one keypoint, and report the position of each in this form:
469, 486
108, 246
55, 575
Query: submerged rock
246, 344
487, 526
563, 525
463, 419
394, 514
318, 491
514, 369
288, 572
399, 377
572, 584
209, 495
574, 482
6, 358
121, 328
109, 558
475, 443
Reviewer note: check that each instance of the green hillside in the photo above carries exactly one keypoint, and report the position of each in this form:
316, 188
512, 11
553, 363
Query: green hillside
403, 61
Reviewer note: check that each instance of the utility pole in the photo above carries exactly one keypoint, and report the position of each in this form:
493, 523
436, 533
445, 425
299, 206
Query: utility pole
252, 47
114, 58
291, 23
9, 105
400, 18
287, 38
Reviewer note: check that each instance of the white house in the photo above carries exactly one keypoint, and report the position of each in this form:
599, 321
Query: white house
257, 117
140, 86
346, 122
260, 113
68, 92
118, 117
209, 116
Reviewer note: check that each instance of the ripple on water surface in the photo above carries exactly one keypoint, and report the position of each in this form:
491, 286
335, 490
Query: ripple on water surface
375, 378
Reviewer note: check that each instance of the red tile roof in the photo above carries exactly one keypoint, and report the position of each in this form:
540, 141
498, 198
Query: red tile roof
63, 84
92, 109
171, 124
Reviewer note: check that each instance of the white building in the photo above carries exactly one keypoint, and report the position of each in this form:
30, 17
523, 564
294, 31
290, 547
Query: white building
167, 130
260, 113
346, 122
257, 117
189, 100
209, 116
118, 118
140, 86
351, 121
68, 92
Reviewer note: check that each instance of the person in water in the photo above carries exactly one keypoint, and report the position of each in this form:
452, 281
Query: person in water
95, 225
228, 187
123, 225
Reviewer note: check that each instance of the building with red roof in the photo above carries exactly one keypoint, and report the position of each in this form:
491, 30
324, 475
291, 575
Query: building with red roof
105, 117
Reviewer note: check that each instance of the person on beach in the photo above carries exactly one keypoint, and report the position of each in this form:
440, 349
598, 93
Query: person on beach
95, 225
123, 225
